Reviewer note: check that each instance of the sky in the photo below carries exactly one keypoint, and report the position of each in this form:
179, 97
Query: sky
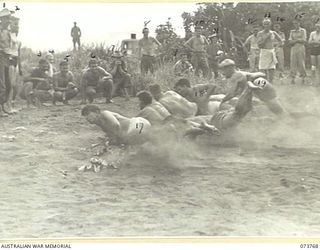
46, 26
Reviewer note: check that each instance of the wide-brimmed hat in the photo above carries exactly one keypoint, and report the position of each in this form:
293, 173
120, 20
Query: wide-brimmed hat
5, 13
226, 63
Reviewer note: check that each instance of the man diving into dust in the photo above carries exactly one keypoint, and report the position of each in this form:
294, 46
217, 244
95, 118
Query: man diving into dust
262, 89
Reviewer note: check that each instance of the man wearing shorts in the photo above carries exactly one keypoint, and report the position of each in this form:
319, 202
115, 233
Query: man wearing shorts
63, 84
177, 105
268, 59
261, 88
199, 94
197, 44
314, 42
118, 128
147, 52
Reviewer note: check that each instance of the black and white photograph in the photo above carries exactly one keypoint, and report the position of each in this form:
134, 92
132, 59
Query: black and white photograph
159, 119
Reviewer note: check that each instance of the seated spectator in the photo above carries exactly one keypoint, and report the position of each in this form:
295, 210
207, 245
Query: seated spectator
94, 80
37, 87
183, 67
63, 84
121, 77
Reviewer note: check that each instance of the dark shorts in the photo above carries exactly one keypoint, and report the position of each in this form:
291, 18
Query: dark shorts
315, 51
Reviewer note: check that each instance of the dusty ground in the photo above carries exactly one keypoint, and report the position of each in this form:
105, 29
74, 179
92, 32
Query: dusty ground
265, 184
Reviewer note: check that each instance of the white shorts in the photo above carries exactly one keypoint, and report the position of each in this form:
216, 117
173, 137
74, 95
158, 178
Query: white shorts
138, 125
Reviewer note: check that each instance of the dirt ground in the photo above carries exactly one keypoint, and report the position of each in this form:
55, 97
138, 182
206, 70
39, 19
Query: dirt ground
262, 181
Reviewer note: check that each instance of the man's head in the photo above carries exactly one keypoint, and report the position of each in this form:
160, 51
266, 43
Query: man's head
75, 23
277, 26
182, 86
296, 24
227, 67
64, 67
93, 64
5, 15
43, 65
197, 30
145, 32
50, 58
156, 92
255, 30
145, 98
266, 23
91, 112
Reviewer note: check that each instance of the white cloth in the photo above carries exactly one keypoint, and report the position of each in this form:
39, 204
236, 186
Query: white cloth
138, 125
268, 59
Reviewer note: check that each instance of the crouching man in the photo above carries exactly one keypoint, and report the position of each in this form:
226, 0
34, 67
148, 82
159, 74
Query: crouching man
63, 84
38, 87
94, 80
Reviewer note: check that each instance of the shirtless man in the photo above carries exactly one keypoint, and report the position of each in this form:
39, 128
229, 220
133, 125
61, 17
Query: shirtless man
199, 94
177, 105
261, 88
197, 44
151, 110
5, 39
63, 84
118, 128
95, 79
38, 87
147, 52
265, 40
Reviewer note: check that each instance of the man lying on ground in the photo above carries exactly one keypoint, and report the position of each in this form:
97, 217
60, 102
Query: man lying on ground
177, 105
263, 89
138, 129
150, 109
226, 119
118, 128
63, 84
37, 87
199, 94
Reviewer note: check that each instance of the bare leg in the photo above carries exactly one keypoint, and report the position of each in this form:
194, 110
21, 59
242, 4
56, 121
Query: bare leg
231, 118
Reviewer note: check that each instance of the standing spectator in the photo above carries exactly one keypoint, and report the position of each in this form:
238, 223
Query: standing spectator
278, 46
14, 62
183, 67
267, 60
121, 77
63, 84
254, 50
147, 52
212, 51
197, 44
95, 79
297, 39
76, 34
5, 39
314, 42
